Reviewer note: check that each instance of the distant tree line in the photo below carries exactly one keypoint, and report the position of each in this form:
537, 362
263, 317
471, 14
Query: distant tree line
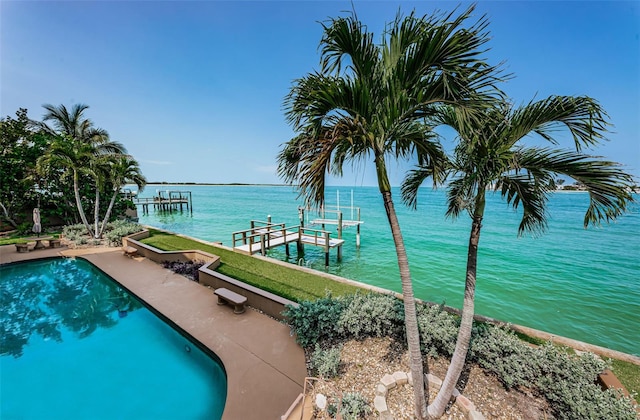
64, 166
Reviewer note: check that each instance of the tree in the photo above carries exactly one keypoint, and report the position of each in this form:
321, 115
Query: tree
491, 155
124, 169
20, 146
374, 101
73, 156
80, 148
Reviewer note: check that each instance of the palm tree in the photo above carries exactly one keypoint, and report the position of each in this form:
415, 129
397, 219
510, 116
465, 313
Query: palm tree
73, 124
372, 101
81, 148
491, 155
72, 156
124, 169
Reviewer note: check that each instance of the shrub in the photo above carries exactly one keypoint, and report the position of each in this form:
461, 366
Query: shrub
354, 406
497, 350
571, 401
438, 330
114, 231
326, 363
371, 315
189, 269
315, 321
74, 231
566, 380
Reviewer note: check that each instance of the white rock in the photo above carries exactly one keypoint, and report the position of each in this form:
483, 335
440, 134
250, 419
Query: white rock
321, 402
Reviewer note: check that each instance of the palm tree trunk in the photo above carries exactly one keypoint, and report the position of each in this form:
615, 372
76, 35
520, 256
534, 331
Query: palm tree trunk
76, 192
106, 216
410, 317
436, 409
96, 212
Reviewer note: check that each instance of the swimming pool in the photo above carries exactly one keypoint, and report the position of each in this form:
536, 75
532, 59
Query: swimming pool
76, 345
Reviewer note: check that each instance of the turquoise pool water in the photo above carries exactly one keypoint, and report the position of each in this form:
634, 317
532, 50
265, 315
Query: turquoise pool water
77, 346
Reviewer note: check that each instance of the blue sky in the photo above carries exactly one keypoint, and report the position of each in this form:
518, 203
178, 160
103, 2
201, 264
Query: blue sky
195, 89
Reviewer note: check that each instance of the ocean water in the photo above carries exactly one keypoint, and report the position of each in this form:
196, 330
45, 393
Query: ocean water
570, 281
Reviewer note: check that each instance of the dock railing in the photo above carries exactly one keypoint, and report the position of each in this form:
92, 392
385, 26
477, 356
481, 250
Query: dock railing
262, 233
315, 234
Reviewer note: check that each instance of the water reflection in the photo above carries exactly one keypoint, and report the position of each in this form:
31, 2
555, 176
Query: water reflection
42, 298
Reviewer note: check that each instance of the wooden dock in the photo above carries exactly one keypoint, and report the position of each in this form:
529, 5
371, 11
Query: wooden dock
166, 201
337, 219
263, 236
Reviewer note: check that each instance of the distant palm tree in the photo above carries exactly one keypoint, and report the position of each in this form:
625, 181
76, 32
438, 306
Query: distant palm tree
491, 155
80, 147
373, 101
124, 169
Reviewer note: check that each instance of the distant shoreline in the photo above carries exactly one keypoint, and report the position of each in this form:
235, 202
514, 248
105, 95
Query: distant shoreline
635, 190
216, 184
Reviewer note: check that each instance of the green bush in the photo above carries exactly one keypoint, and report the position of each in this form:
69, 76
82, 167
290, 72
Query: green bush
438, 330
74, 230
313, 321
501, 352
326, 363
572, 401
354, 406
371, 315
114, 231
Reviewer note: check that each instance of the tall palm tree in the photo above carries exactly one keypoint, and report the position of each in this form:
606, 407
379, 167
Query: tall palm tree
491, 154
72, 156
372, 101
80, 147
74, 125
124, 169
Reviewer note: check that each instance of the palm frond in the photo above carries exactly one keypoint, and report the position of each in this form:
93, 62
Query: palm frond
582, 116
347, 36
609, 186
460, 197
522, 190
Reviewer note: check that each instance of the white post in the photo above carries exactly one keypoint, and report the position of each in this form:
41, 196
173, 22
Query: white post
358, 231
351, 204
338, 199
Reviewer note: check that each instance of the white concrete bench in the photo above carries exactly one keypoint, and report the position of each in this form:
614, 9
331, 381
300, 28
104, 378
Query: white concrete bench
227, 296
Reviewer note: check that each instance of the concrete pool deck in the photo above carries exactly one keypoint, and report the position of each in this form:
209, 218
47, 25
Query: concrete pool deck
265, 367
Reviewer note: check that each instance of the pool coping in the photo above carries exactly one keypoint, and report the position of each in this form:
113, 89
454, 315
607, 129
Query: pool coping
265, 366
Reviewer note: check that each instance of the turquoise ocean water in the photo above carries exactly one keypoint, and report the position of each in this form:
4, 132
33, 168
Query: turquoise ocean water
575, 282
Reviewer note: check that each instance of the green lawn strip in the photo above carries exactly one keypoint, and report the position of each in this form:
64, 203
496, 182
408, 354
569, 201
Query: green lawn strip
283, 281
629, 376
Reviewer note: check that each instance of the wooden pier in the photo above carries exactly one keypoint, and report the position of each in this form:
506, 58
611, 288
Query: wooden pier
332, 216
263, 236
166, 201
